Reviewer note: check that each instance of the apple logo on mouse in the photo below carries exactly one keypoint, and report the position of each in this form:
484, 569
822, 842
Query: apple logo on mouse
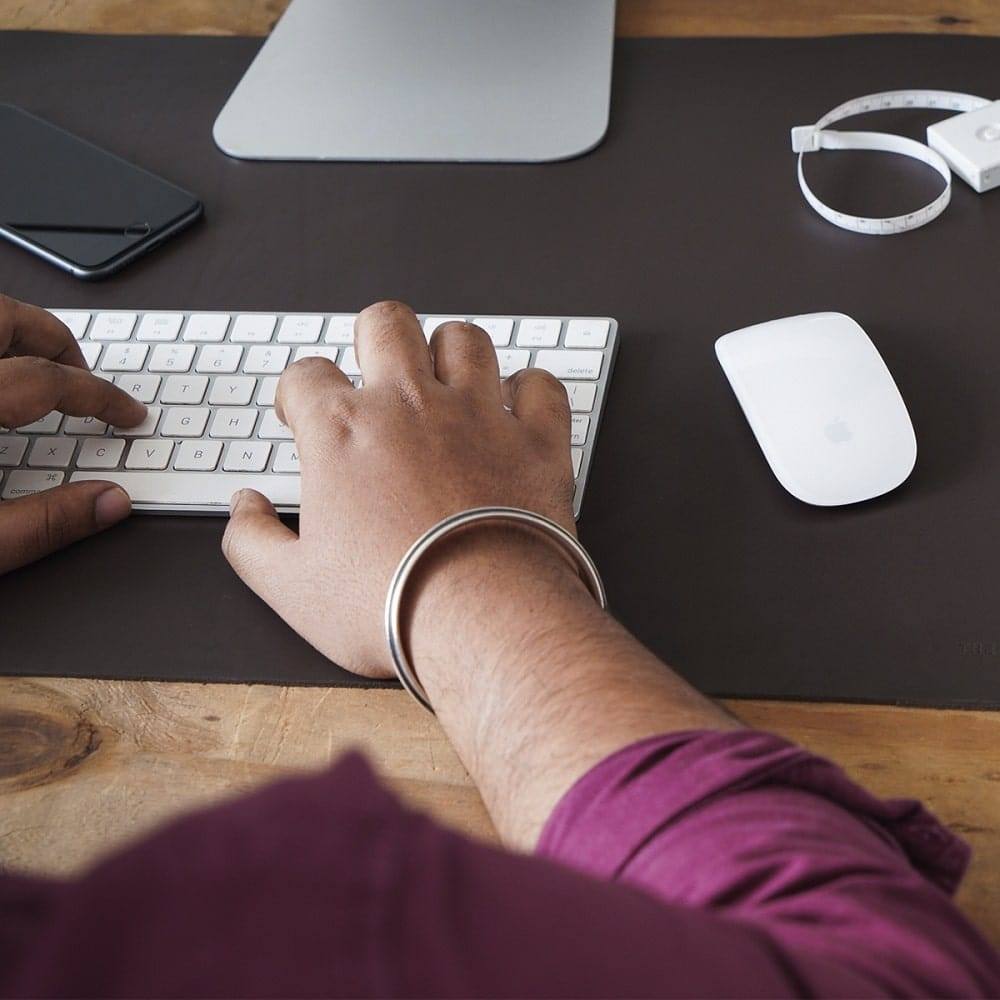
838, 431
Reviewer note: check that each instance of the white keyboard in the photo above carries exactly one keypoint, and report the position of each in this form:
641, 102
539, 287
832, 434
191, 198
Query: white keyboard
209, 380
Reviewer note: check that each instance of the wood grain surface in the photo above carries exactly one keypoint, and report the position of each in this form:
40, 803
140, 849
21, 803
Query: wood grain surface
85, 766
635, 17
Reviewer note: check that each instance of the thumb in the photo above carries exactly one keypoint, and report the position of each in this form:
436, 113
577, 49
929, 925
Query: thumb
256, 542
34, 526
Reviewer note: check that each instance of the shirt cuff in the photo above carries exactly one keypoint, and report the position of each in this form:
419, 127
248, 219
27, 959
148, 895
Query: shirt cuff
624, 802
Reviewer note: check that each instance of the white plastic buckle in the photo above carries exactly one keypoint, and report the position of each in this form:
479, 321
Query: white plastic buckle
805, 139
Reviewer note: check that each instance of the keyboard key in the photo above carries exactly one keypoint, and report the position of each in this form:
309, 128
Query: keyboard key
581, 396
76, 321
188, 389
24, 482
100, 453
48, 424
538, 332
198, 456
232, 423
185, 421
172, 358
154, 454
587, 333
271, 427
340, 330
253, 329
266, 360
287, 459
206, 328
91, 352
579, 428
142, 387
145, 429
577, 456
124, 357
12, 450
160, 326
113, 326
200, 489
571, 364
330, 353
499, 329
247, 456
221, 359
84, 426
300, 329
349, 362
268, 390
512, 361
51, 453
433, 322
232, 390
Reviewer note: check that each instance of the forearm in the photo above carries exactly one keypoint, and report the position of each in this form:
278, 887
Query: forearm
533, 683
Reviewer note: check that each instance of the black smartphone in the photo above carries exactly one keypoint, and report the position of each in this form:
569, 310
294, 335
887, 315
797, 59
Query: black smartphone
78, 206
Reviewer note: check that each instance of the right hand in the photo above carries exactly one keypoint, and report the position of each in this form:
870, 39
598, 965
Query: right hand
427, 436
42, 369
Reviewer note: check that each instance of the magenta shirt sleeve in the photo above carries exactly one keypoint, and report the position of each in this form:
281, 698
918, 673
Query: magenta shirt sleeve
697, 864
758, 831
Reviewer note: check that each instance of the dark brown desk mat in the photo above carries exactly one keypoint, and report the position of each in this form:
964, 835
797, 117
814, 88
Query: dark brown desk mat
686, 223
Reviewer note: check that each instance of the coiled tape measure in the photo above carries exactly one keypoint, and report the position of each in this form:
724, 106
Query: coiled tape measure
968, 143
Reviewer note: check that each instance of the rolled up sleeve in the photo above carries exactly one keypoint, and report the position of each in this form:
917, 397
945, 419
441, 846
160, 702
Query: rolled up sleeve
761, 832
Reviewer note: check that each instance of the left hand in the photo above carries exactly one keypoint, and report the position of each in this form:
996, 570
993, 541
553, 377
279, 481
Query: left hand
42, 369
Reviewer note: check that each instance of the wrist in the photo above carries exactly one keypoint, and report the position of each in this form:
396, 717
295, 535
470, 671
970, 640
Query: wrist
479, 593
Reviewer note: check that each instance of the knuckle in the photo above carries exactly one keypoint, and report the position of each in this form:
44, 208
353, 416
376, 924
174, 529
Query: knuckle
51, 523
299, 377
41, 368
410, 392
8, 307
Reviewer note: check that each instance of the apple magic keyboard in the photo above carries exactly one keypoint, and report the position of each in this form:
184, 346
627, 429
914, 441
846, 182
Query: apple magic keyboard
209, 379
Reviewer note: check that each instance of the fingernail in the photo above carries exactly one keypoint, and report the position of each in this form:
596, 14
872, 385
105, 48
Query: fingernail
111, 506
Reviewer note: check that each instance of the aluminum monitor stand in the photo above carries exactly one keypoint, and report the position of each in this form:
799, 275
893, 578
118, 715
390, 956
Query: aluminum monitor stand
466, 80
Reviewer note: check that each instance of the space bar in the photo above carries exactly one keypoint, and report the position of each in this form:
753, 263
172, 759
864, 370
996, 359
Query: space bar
196, 487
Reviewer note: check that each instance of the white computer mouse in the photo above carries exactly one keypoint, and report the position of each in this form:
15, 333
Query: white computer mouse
823, 407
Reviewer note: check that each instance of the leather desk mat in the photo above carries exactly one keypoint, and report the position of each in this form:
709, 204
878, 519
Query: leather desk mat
686, 223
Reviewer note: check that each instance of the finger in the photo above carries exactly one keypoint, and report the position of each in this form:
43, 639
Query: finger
539, 398
31, 331
391, 345
309, 393
34, 526
464, 358
32, 387
257, 544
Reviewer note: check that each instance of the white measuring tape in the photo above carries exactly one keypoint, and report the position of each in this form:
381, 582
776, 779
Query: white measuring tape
968, 143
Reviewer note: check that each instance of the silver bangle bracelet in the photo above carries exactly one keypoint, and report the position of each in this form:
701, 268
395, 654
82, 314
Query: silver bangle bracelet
397, 586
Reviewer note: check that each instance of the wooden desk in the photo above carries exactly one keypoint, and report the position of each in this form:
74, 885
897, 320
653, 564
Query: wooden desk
85, 765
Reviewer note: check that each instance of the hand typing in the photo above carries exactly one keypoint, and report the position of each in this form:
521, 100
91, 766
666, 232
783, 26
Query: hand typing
428, 435
42, 369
